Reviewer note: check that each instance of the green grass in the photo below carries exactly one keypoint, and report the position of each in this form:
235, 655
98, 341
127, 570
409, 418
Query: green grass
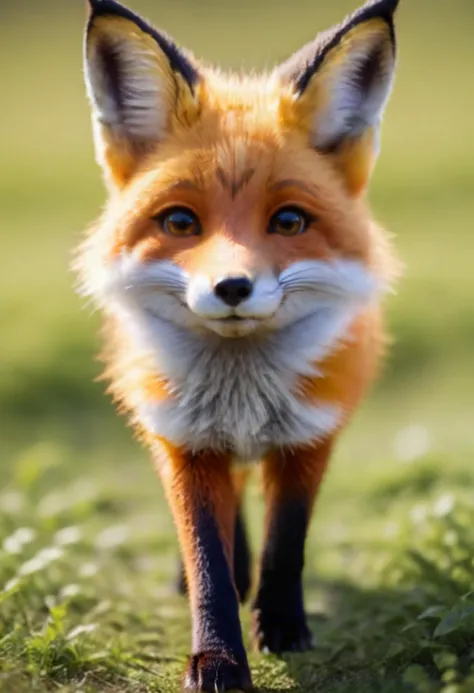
88, 562
390, 554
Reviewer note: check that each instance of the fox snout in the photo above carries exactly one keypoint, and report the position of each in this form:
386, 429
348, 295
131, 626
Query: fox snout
233, 304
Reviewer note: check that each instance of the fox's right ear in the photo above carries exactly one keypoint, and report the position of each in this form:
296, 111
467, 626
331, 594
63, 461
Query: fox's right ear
139, 84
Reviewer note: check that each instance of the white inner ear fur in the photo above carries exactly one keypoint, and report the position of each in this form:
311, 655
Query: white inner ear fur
351, 110
137, 109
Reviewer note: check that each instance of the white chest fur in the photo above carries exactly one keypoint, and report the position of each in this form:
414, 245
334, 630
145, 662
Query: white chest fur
239, 396
237, 399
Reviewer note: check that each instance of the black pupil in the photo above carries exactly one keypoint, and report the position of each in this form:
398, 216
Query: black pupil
288, 220
181, 221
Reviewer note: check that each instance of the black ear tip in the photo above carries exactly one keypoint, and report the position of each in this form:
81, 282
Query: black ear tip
392, 4
99, 3
106, 7
381, 6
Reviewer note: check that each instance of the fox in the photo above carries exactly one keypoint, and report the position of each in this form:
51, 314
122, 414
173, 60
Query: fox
241, 278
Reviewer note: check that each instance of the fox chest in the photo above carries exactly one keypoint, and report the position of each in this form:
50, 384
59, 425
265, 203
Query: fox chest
243, 402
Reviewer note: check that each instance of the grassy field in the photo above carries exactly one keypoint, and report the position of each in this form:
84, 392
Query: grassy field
88, 553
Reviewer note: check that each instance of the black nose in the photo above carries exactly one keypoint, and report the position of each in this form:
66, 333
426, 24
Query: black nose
233, 290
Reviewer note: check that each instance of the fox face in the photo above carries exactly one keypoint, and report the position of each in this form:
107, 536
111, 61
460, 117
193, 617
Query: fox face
236, 203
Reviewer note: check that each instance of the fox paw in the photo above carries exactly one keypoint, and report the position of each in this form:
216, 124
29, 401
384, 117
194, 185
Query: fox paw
281, 632
216, 672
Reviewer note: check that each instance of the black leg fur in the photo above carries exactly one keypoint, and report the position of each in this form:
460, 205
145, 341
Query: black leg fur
219, 660
279, 620
242, 562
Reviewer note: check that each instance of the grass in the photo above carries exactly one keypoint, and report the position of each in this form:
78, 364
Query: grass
88, 549
88, 562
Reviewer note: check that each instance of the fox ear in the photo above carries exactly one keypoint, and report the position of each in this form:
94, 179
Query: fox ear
139, 83
339, 85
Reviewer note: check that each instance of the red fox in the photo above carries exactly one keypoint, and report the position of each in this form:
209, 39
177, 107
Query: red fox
240, 276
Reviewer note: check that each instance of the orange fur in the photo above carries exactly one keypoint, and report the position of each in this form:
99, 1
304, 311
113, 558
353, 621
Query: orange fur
347, 370
190, 483
294, 475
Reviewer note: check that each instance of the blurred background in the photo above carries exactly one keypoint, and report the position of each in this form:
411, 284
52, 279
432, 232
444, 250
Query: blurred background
78, 497
50, 189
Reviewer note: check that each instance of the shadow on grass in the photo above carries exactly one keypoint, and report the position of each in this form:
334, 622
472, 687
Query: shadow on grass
372, 641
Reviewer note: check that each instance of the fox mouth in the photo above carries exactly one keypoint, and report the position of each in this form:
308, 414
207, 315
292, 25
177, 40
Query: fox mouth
226, 320
237, 326
232, 318
232, 325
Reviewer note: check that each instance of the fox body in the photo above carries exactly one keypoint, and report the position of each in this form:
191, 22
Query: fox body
240, 277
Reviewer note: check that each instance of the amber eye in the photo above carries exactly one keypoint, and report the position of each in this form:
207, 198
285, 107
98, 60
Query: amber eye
289, 221
179, 222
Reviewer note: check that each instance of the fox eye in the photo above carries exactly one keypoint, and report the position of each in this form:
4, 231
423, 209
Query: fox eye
289, 221
179, 222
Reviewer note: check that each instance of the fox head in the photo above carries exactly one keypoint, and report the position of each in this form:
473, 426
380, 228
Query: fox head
236, 203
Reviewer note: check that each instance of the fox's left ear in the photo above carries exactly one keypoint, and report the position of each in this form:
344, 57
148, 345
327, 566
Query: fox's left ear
140, 85
339, 85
